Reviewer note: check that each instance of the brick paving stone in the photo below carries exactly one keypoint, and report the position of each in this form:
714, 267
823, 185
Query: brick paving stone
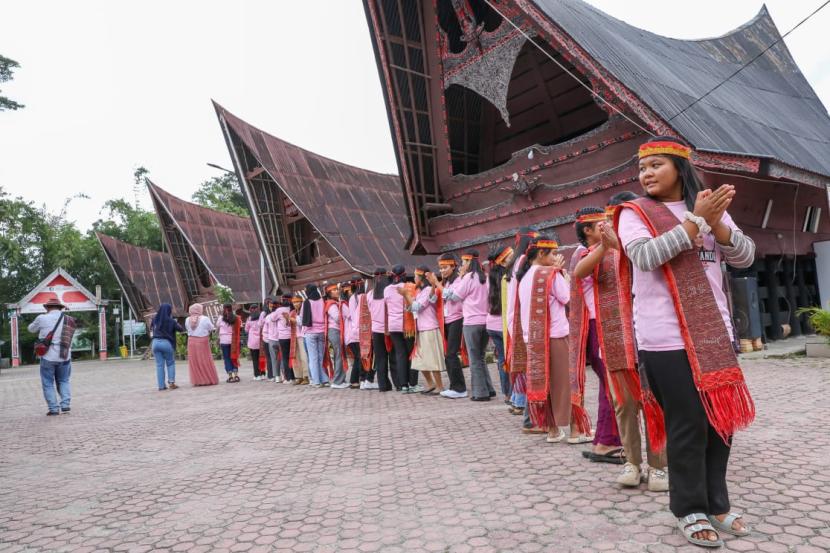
259, 467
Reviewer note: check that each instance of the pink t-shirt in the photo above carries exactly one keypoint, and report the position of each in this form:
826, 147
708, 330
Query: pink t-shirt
560, 295
655, 320
377, 309
252, 328
473, 295
269, 327
493, 322
453, 310
225, 332
512, 285
317, 323
587, 286
351, 315
334, 316
283, 329
426, 318
394, 307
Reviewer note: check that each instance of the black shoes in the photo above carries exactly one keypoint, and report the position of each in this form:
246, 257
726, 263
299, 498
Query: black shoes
480, 399
53, 413
65, 409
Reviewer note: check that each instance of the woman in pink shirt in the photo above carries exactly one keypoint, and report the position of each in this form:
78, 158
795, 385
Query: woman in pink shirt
429, 348
269, 338
401, 344
283, 318
300, 354
471, 292
453, 326
499, 260
556, 400
676, 238
253, 328
226, 330
358, 377
313, 322
377, 310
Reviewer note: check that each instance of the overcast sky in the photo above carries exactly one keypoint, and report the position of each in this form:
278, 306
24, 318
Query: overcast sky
109, 86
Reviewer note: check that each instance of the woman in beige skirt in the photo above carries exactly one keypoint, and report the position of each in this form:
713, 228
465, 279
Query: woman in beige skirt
429, 345
300, 355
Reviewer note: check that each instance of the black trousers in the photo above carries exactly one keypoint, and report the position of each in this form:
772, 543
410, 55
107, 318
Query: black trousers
265, 347
255, 360
401, 349
696, 454
381, 363
453, 333
358, 374
285, 349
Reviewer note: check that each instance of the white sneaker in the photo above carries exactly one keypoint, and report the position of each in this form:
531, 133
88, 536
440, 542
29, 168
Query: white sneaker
342, 386
271, 380
371, 385
362, 384
452, 394
416, 389
255, 378
630, 476
658, 480
277, 379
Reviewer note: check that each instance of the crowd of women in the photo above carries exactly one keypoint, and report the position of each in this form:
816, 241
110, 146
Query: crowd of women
636, 303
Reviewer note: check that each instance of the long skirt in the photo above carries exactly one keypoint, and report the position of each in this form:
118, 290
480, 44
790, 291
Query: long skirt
200, 362
560, 382
300, 359
429, 352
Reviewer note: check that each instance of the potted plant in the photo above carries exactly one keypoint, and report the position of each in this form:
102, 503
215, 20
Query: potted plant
819, 319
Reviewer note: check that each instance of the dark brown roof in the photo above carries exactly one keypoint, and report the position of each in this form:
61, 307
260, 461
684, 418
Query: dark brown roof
147, 277
360, 213
225, 243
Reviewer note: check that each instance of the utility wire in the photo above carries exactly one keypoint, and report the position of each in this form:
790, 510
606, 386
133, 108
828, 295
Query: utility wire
747, 64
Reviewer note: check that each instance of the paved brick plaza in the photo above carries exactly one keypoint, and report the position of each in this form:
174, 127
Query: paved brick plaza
259, 466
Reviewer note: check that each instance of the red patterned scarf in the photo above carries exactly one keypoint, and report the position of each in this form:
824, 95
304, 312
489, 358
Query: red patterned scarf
717, 375
292, 350
516, 347
409, 328
614, 331
538, 347
577, 348
235, 342
365, 332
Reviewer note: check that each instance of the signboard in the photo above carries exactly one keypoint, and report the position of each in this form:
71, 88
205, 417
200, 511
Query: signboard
134, 328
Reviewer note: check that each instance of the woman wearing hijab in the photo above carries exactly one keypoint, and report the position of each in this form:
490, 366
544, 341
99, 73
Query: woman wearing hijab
164, 328
199, 358
314, 327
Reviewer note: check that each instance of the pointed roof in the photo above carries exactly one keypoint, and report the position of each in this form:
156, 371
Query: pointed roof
224, 243
147, 277
361, 213
62, 286
768, 110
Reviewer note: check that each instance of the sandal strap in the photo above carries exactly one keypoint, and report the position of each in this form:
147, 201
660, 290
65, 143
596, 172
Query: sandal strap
694, 517
730, 519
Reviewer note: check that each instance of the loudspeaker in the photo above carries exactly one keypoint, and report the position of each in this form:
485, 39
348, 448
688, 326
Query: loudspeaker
746, 310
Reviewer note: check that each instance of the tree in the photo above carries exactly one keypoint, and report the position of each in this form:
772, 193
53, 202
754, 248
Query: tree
131, 224
222, 194
7, 67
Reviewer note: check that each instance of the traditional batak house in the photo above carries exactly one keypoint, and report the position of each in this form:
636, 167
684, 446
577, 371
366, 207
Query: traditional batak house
510, 112
209, 247
316, 220
147, 278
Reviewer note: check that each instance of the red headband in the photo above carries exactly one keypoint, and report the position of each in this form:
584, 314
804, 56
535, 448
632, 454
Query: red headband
503, 255
591, 218
468, 257
446, 263
544, 245
658, 147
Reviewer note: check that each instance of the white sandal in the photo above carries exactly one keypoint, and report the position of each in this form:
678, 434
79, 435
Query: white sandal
698, 522
726, 525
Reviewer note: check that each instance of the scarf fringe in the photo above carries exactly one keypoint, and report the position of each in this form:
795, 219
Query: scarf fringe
580, 419
540, 413
729, 408
655, 423
620, 380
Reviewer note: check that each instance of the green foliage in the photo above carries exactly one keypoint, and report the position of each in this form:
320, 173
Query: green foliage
224, 294
222, 194
130, 224
819, 319
7, 67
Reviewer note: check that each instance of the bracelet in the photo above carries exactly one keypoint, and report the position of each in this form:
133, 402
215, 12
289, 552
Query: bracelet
701, 223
